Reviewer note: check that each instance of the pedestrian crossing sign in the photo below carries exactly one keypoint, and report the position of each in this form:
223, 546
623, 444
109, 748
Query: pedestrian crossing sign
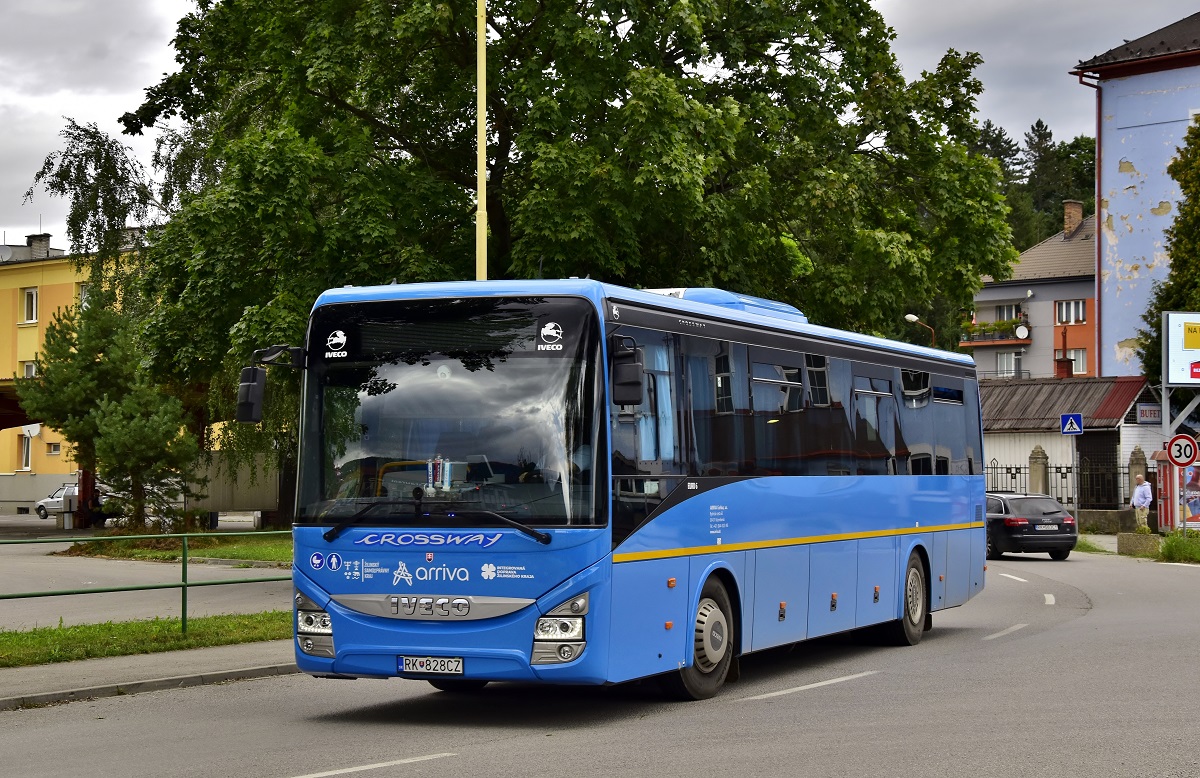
1072, 423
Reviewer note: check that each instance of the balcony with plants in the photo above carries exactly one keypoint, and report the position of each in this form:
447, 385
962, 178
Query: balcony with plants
1006, 332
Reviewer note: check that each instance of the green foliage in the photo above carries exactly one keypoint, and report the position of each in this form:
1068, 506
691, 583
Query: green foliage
1178, 547
773, 149
144, 450
770, 149
1039, 176
46, 645
1181, 289
83, 359
91, 386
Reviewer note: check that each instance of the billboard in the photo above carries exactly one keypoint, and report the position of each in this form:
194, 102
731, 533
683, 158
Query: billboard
1181, 349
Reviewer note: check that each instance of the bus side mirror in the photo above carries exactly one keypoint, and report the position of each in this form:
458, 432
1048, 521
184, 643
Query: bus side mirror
251, 387
627, 372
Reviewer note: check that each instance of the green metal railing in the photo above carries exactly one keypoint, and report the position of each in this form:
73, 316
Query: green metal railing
183, 584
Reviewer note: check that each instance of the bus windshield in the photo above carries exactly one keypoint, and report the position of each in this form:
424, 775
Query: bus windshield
452, 413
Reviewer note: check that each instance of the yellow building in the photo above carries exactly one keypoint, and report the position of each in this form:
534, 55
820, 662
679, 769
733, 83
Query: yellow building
35, 281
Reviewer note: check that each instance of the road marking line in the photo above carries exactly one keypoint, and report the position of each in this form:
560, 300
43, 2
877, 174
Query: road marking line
347, 770
1006, 575
1181, 564
1049, 599
830, 682
1004, 632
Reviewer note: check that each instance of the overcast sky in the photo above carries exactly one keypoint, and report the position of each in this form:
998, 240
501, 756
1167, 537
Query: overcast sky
92, 59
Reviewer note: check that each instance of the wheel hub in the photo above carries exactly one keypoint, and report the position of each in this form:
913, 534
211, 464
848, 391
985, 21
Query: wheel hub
712, 636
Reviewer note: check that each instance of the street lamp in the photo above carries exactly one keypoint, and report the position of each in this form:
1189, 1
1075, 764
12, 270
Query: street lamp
915, 319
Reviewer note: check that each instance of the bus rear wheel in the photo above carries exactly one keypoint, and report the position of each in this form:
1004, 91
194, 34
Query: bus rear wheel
713, 647
907, 630
459, 685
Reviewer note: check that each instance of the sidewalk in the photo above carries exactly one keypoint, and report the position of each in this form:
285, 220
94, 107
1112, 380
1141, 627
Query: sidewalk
1106, 542
111, 676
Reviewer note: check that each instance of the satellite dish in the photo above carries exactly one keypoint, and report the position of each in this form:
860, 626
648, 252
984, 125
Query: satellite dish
1021, 331
5, 253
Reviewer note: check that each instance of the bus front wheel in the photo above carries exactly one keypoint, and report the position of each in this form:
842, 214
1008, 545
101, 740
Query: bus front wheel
713, 647
907, 630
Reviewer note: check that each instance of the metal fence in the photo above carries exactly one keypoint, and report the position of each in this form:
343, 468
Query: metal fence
1094, 487
182, 585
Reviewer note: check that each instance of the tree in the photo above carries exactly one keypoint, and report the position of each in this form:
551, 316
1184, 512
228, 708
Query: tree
90, 385
75, 368
771, 149
995, 142
1181, 289
731, 145
144, 450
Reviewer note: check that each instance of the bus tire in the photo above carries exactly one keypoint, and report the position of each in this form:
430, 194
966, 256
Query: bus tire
907, 630
713, 647
457, 685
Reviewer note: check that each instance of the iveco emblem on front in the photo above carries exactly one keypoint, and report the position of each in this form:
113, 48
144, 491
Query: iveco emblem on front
336, 343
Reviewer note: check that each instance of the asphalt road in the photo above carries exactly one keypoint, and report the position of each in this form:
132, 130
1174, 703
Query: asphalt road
1077, 668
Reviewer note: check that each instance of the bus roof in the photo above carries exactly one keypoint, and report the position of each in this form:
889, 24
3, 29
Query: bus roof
708, 302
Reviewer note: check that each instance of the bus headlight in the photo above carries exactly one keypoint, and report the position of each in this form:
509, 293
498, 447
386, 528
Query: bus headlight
559, 628
313, 623
314, 630
559, 635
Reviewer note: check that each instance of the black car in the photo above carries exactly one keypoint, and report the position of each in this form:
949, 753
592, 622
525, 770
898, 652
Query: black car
1029, 523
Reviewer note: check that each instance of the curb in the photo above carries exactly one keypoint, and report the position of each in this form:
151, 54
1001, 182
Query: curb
137, 687
208, 560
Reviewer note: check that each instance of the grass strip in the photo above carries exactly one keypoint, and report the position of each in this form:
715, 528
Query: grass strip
1088, 547
46, 645
271, 548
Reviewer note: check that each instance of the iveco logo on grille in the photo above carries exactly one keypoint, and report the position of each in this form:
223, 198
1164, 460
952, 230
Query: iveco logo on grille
431, 607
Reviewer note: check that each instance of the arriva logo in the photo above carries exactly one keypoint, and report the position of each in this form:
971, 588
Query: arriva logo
442, 573
428, 539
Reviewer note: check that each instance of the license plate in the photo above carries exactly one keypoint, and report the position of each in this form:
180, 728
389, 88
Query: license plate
1044, 527
432, 665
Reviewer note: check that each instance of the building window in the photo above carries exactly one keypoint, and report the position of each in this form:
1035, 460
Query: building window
1070, 312
83, 295
29, 304
1076, 355
1008, 364
28, 369
26, 453
1008, 312
53, 448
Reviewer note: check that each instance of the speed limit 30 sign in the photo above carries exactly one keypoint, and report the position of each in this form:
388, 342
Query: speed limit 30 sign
1181, 450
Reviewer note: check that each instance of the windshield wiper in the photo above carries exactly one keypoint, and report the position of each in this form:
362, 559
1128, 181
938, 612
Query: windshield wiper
331, 534
541, 537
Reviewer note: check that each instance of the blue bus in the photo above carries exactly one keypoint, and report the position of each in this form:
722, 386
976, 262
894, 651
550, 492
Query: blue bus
573, 482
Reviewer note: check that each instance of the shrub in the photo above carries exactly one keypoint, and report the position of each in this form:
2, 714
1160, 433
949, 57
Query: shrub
1177, 547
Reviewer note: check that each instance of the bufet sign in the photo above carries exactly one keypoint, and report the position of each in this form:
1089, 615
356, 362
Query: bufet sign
1181, 348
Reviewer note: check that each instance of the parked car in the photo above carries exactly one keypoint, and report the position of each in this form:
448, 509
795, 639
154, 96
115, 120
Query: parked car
54, 503
1029, 523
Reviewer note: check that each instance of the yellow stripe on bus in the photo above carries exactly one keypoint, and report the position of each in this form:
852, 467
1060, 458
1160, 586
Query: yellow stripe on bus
669, 553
